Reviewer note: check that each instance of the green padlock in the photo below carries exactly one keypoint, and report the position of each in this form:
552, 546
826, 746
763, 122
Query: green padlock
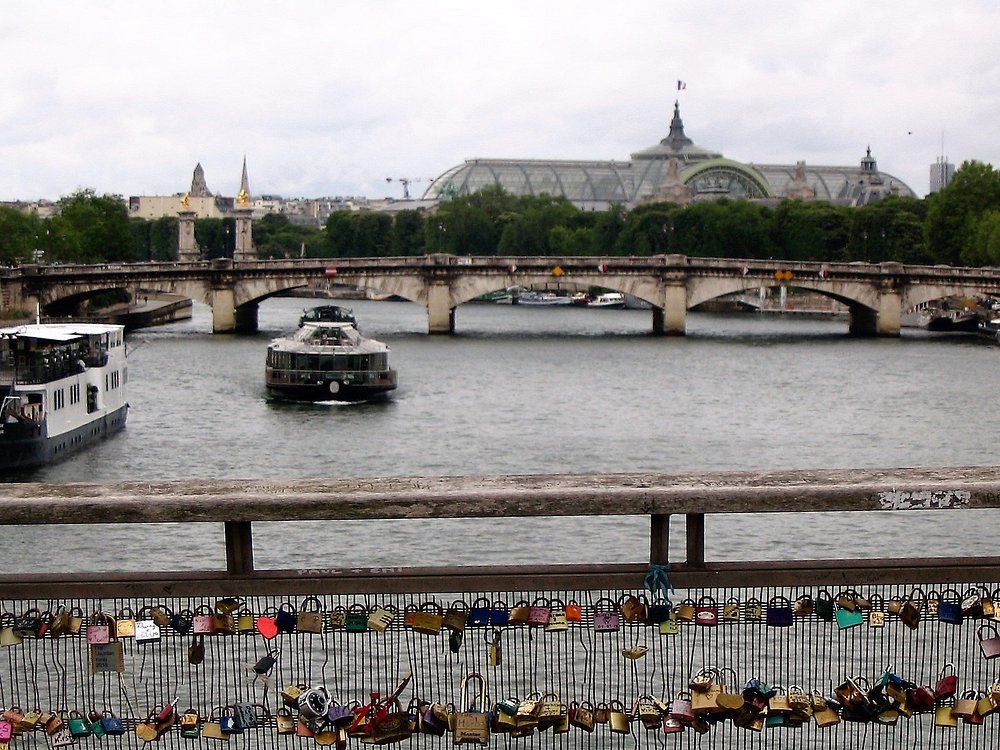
357, 619
190, 724
78, 725
669, 626
94, 717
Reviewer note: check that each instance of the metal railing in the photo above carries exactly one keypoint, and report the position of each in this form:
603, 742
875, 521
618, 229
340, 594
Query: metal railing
763, 619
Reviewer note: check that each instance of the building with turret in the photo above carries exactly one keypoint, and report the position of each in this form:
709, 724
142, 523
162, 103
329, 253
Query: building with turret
675, 169
198, 199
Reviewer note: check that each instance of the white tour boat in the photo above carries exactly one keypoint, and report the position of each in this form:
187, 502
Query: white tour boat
328, 361
62, 387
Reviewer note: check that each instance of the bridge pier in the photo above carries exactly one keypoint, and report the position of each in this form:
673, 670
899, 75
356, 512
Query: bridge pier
223, 310
246, 317
890, 313
440, 311
671, 318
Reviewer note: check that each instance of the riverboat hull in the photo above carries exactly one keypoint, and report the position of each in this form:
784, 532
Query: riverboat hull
22, 447
334, 390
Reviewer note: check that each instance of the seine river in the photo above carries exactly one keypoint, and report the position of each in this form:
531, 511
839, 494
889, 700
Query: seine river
542, 390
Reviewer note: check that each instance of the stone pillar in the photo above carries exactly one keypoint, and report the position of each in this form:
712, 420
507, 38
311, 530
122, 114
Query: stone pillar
440, 312
244, 248
890, 313
187, 248
670, 319
223, 310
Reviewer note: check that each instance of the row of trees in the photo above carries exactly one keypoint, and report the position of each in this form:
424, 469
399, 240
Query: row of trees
959, 225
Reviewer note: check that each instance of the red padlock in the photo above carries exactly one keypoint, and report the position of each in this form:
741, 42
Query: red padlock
706, 612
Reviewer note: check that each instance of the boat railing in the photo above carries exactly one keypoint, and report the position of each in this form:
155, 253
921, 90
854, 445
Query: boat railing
604, 633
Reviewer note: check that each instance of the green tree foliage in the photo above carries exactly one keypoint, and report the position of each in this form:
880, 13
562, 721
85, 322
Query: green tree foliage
953, 213
408, 233
647, 230
276, 237
216, 238
986, 240
102, 225
18, 231
808, 230
527, 233
163, 238
340, 234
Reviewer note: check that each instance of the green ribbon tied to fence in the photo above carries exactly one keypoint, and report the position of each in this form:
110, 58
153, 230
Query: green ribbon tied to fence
657, 581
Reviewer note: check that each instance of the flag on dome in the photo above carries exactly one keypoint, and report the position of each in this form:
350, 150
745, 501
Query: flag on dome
681, 85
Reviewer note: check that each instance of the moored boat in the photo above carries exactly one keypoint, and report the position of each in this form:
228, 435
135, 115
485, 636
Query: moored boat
543, 299
62, 387
612, 300
328, 361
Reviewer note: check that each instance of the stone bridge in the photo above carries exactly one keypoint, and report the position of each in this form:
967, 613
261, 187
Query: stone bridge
875, 294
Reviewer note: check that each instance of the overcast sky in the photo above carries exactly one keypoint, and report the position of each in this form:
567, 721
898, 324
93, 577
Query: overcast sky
329, 98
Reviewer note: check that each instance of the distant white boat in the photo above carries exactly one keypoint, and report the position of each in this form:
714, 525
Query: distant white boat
543, 299
612, 300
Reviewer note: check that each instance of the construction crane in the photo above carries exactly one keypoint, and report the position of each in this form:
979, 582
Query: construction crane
405, 181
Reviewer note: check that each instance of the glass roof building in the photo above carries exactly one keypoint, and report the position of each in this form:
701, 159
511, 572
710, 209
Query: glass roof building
675, 169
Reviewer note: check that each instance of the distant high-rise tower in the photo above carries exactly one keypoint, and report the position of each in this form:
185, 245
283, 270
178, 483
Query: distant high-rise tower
942, 171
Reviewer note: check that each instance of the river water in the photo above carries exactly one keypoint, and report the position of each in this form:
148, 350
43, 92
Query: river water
541, 390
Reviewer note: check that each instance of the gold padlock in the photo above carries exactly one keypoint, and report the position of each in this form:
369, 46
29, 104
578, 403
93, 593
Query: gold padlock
944, 718
966, 705
380, 619
618, 720
125, 623
285, 720
428, 619
685, 611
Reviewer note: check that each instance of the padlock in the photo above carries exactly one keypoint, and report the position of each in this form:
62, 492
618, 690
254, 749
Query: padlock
125, 623
310, 616
429, 619
950, 607
702, 680
456, 617
876, 619
381, 618
224, 619
75, 624
285, 720
99, 628
823, 605
680, 708
212, 727
479, 612
314, 703
60, 622
581, 715
920, 698
731, 610
849, 618
527, 711
182, 621
357, 619
203, 620
965, 706
778, 704
911, 610
246, 715
538, 613
601, 713
196, 651
607, 619
798, 700
632, 608
228, 724
6, 730
989, 646
943, 717
648, 712
550, 711
245, 622
779, 612
338, 618
669, 626
848, 599
146, 628
753, 610
972, 604
574, 611
685, 611
112, 725
8, 636
29, 624
672, 726
265, 663
79, 725
499, 613
947, 683
822, 713
706, 612
986, 706
804, 606
618, 720
190, 724
637, 651
557, 617
290, 695
285, 618
519, 613
61, 738
435, 720
494, 656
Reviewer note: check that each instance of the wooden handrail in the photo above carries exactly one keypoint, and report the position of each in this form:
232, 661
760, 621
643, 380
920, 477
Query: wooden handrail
238, 503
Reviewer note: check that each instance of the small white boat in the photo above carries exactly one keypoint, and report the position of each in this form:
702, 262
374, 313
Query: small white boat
62, 387
613, 300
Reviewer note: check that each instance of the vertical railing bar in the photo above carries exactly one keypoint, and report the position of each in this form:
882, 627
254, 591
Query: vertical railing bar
659, 538
695, 523
239, 547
